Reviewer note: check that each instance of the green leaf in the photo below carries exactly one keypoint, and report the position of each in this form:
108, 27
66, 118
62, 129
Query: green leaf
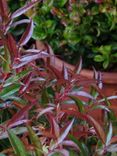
61, 3
98, 58
101, 107
17, 144
78, 102
82, 147
9, 91
105, 63
6, 63
45, 97
109, 135
15, 78
35, 141
47, 5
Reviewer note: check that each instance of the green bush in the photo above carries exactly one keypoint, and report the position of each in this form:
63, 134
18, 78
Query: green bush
83, 28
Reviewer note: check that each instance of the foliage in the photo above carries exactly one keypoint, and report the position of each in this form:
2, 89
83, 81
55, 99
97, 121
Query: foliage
44, 111
79, 28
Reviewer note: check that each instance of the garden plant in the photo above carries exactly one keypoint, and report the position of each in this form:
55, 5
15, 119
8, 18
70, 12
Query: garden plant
44, 111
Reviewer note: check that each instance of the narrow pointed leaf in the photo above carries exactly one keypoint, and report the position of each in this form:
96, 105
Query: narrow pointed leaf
35, 141
24, 9
109, 135
26, 83
6, 63
44, 111
65, 72
15, 78
78, 67
17, 144
81, 93
29, 58
9, 91
78, 102
12, 46
63, 135
19, 115
98, 128
4, 9
27, 34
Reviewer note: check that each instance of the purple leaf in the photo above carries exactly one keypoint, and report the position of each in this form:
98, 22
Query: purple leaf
29, 58
17, 123
64, 152
65, 72
78, 67
27, 34
24, 9
98, 77
20, 22
70, 143
44, 111
36, 51
81, 93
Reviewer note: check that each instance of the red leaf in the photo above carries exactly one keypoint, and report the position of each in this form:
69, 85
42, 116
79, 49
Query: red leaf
26, 83
24, 9
113, 140
76, 114
94, 123
12, 47
100, 132
1, 43
63, 135
27, 34
19, 115
4, 9
55, 130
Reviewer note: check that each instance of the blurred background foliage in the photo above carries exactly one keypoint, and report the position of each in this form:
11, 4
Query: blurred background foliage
76, 28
